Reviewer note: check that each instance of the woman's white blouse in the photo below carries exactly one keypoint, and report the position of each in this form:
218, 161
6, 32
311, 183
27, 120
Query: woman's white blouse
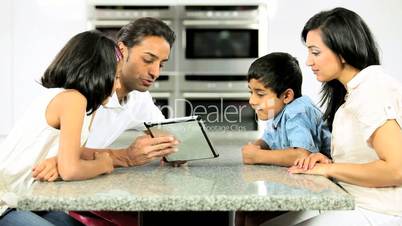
373, 97
30, 141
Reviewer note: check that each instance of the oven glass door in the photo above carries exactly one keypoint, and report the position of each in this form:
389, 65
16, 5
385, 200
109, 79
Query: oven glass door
163, 104
221, 43
223, 114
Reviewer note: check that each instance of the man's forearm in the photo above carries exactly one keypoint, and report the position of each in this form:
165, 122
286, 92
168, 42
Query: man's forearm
120, 156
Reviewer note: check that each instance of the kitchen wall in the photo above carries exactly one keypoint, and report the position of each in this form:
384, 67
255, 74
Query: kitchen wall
33, 31
6, 62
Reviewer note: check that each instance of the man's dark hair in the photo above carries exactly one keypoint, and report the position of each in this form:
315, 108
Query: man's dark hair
277, 71
87, 63
135, 31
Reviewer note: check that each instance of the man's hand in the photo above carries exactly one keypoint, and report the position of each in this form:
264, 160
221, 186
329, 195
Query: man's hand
311, 160
146, 149
46, 170
250, 152
105, 159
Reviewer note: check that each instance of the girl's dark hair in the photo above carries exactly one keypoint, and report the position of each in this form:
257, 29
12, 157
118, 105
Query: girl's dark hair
87, 63
135, 31
348, 36
277, 71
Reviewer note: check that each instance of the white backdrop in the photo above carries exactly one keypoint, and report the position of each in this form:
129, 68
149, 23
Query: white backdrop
33, 31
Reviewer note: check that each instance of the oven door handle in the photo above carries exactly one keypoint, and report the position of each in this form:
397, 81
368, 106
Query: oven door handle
160, 94
243, 96
117, 23
221, 23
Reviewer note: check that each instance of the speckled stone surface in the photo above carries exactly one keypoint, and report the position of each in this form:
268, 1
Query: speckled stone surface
220, 184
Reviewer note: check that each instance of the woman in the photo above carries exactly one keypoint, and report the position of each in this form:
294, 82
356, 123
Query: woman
364, 110
78, 81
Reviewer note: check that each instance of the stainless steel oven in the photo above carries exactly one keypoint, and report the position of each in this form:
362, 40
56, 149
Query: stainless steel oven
220, 99
162, 101
163, 93
220, 39
229, 112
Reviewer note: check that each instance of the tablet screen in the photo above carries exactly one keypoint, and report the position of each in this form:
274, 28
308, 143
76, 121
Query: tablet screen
190, 132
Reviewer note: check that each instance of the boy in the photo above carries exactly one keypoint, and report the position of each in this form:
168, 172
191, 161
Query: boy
296, 128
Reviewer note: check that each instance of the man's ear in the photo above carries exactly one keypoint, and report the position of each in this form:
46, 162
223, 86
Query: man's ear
288, 96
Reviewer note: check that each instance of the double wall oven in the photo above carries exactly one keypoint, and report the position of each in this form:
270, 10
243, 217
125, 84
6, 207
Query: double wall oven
206, 72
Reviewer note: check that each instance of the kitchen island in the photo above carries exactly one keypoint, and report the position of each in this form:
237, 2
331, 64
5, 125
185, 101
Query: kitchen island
221, 184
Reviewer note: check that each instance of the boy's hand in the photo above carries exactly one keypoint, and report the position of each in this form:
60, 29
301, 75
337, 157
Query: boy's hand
250, 152
46, 170
310, 161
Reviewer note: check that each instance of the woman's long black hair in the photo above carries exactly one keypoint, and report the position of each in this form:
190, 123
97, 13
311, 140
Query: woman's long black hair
87, 63
348, 36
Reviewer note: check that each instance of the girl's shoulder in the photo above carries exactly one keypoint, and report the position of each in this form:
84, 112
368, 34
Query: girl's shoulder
68, 101
70, 96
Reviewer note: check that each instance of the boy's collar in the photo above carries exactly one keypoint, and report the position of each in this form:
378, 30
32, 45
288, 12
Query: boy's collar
277, 118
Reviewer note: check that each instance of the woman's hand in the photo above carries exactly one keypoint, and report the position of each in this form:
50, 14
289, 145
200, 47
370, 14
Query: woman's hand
310, 161
318, 169
46, 170
315, 163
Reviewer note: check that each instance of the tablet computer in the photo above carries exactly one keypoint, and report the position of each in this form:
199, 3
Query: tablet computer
190, 132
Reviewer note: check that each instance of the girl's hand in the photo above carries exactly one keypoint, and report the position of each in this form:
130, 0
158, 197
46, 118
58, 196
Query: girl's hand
46, 170
105, 159
310, 161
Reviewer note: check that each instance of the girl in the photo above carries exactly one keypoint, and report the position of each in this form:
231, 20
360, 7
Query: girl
78, 81
364, 109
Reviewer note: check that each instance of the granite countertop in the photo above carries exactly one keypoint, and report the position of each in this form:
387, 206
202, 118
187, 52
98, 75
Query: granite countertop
219, 184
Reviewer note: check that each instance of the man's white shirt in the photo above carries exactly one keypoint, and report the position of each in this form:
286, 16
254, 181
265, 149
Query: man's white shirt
113, 119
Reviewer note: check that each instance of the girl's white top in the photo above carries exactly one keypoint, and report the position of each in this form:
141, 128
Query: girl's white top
29, 142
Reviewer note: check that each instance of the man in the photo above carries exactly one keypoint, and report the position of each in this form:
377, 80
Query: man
145, 45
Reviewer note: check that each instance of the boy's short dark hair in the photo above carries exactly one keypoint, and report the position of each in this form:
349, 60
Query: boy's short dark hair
277, 71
